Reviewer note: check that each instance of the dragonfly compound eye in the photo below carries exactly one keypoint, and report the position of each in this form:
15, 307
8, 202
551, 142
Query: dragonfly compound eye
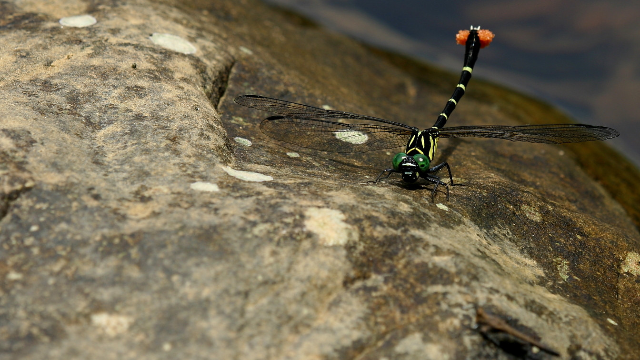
423, 162
397, 160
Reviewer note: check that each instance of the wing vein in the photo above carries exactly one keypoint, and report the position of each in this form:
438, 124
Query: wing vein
547, 134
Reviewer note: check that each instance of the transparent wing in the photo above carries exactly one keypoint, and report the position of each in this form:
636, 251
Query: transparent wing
301, 111
547, 134
334, 136
311, 127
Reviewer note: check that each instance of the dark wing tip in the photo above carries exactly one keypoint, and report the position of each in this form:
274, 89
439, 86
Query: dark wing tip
603, 132
613, 133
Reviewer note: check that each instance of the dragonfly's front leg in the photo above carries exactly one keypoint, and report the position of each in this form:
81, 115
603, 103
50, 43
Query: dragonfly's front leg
389, 171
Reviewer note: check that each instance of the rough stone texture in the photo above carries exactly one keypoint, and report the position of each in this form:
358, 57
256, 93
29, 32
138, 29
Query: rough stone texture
123, 236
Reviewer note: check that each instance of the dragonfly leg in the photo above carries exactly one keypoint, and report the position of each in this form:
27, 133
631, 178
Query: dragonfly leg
389, 171
436, 180
440, 166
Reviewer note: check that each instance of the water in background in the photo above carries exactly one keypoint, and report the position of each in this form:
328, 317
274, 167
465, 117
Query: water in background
582, 56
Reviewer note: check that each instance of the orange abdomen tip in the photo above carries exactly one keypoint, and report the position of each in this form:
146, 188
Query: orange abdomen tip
486, 37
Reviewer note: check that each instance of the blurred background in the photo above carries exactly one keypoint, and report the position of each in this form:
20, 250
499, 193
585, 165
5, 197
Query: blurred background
581, 56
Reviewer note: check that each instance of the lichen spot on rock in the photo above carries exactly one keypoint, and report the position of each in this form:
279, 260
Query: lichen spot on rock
531, 213
442, 206
173, 42
352, 137
329, 226
204, 186
293, 154
414, 347
246, 175
14, 276
246, 50
111, 324
78, 21
242, 141
563, 268
631, 264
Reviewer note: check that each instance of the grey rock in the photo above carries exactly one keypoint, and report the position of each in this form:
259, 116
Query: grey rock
129, 232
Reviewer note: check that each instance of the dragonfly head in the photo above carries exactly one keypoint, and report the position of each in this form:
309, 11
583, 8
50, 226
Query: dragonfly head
410, 166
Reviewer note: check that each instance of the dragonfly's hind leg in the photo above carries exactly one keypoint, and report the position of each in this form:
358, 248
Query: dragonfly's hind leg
436, 180
440, 166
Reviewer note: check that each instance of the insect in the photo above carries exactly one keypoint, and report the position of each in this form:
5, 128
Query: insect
344, 132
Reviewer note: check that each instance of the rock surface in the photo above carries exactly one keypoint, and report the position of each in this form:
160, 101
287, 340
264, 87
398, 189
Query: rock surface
134, 226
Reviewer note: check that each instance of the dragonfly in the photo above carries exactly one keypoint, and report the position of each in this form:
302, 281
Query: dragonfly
345, 132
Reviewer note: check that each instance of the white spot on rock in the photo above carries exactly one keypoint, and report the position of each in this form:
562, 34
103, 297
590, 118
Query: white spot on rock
411, 344
413, 347
245, 50
612, 322
442, 206
531, 213
173, 42
246, 175
352, 137
78, 21
242, 141
293, 154
563, 269
14, 276
330, 227
204, 186
111, 324
631, 264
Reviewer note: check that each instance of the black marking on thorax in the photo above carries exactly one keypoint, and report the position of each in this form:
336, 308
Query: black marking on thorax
423, 142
